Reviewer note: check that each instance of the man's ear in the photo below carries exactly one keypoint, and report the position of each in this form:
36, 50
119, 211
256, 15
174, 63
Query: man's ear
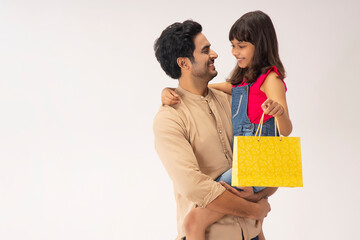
183, 62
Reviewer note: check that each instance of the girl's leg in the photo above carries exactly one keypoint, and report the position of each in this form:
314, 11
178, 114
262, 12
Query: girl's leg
261, 235
197, 221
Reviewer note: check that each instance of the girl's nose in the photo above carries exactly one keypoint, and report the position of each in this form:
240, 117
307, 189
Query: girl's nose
234, 52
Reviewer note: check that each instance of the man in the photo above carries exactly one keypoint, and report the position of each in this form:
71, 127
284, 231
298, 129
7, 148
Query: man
194, 138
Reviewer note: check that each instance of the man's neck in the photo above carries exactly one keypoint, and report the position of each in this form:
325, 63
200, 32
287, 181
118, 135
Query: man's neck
193, 86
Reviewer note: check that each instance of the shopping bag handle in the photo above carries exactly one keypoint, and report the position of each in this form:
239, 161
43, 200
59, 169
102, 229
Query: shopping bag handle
261, 125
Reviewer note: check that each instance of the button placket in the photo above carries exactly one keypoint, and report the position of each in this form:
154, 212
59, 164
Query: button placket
207, 101
220, 130
219, 127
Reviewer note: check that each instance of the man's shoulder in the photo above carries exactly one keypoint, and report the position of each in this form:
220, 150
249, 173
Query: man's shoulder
221, 96
217, 92
166, 111
168, 115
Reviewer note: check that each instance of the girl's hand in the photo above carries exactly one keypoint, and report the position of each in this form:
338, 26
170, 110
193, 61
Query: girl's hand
272, 108
169, 97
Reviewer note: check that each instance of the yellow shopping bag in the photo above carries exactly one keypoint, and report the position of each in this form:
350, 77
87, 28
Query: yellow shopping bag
267, 161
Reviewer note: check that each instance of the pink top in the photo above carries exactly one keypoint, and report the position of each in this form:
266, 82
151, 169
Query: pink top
257, 97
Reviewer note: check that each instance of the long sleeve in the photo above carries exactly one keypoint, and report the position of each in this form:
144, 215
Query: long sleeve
173, 146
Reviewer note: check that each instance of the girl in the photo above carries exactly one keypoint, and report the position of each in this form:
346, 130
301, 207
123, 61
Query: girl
257, 87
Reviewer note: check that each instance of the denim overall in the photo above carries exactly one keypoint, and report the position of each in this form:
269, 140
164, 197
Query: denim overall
242, 125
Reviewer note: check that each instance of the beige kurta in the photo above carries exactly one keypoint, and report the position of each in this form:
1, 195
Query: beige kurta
194, 142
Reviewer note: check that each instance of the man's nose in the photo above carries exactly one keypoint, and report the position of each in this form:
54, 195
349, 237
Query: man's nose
213, 54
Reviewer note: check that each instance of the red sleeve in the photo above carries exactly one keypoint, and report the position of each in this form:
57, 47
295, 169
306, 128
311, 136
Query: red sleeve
262, 78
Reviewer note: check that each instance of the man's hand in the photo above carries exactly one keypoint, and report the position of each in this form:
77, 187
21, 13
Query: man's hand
231, 202
247, 193
264, 209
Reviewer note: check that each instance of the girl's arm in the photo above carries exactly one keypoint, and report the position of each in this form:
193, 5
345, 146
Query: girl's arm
224, 87
169, 96
276, 105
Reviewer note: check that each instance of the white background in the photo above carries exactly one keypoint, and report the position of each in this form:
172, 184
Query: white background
79, 87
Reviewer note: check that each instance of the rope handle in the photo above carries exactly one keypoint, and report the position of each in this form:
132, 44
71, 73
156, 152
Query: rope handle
261, 125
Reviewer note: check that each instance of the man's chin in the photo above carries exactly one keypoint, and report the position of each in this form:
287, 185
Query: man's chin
213, 75
207, 76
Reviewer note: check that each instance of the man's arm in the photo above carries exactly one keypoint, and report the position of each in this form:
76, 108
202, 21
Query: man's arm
176, 154
267, 192
249, 194
229, 203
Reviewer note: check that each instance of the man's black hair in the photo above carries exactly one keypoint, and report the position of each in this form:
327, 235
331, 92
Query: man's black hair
174, 42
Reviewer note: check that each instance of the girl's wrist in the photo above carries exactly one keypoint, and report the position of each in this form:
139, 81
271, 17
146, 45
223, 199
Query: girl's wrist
281, 115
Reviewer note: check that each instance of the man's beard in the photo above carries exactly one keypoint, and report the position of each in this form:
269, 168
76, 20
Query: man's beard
205, 75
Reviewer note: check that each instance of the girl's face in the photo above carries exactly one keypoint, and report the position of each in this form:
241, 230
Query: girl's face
243, 52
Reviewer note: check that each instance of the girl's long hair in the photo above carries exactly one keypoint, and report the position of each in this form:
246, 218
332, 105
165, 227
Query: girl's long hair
257, 28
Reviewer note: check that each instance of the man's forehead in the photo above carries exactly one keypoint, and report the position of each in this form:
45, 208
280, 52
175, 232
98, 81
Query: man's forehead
201, 41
